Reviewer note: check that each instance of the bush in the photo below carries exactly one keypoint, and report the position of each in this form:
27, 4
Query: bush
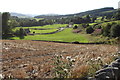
106, 30
20, 33
115, 30
89, 30
75, 27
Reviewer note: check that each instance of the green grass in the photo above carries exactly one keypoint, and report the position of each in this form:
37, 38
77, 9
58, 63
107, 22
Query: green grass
41, 27
43, 31
91, 24
98, 20
49, 26
64, 36
54, 26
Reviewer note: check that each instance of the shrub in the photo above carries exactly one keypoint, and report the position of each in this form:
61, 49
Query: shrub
75, 27
20, 33
106, 30
115, 30
89, 30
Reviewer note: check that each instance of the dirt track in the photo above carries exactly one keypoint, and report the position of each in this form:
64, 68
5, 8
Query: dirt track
25, 58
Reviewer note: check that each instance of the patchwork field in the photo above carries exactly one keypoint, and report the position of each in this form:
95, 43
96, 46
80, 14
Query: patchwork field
57, 32
26, 58
64, 36
43, 27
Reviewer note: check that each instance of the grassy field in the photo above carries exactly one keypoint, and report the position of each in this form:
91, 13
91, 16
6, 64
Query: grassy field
43, 31
46, 26
64, 36
91, 24
42, 27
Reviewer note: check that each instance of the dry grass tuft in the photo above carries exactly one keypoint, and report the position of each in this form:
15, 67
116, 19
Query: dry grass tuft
80, 71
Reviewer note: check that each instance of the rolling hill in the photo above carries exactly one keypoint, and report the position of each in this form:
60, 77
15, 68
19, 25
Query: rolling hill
20, 15
97, 12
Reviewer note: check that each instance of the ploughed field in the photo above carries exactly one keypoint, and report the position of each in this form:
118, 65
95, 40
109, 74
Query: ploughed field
26, 58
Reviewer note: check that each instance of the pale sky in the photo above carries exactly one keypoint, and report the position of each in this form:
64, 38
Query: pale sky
54, 6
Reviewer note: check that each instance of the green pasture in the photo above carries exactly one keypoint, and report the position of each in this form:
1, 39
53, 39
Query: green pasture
98, 20
91, 24
43, 31
42, 27
64, 36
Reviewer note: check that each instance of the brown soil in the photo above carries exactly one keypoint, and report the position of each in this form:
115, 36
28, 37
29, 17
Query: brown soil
25, 58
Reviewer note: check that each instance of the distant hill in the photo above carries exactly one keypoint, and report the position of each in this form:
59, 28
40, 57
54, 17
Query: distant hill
20, 15
49, 16
97, 12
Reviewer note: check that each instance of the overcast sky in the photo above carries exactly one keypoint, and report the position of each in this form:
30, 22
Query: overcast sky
54, 6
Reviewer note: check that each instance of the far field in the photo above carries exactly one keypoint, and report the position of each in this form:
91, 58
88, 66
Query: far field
65, 35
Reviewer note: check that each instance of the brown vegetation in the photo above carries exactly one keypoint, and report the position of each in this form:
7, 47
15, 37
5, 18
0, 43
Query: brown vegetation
25, 58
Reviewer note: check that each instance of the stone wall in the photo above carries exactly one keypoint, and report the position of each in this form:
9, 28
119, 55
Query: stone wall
109, 72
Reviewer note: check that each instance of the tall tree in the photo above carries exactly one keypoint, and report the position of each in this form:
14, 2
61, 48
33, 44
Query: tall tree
5, 27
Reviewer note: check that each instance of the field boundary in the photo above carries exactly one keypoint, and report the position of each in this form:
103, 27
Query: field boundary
59, 29
71, 42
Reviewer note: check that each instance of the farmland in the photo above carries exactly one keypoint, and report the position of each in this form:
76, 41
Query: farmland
66, 35
46, 26
43, 31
